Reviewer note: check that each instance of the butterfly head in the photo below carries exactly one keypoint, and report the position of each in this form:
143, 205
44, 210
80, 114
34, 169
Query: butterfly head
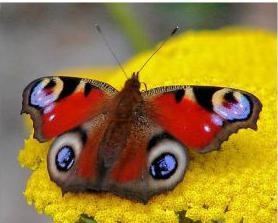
133, 82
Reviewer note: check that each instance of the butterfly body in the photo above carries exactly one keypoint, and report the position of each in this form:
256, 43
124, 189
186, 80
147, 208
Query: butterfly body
131, 143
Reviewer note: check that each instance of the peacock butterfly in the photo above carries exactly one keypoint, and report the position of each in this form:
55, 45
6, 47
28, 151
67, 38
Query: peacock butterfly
132, 143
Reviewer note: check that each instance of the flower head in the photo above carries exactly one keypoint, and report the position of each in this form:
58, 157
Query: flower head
234, 183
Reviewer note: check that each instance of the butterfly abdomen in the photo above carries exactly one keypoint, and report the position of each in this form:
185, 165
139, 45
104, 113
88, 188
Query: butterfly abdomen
121, 120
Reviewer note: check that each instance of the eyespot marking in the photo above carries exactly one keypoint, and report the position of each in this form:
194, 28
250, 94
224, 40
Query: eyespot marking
231, 105
65, 158
167, 162
163, 166
43, 94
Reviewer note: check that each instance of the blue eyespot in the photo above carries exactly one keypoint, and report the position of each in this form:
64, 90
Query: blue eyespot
163, 166
65, 158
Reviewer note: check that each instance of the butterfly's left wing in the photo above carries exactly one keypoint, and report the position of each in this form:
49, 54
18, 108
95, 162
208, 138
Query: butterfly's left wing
202, 117
59, 104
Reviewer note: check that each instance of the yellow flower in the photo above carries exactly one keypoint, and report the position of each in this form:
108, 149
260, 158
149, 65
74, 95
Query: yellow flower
237, 182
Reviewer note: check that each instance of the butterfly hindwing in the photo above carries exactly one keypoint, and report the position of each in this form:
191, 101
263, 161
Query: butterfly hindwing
149, 163
73, 156
202, 117
82, 159
58, 104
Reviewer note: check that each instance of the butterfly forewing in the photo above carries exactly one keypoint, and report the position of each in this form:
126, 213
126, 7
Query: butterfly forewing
202, 117
58, 104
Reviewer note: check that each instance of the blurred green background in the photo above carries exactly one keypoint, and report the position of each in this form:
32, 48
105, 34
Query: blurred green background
142, 24
39, 39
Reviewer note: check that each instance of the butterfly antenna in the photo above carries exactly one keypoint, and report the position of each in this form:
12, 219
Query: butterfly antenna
161, 45
109, 48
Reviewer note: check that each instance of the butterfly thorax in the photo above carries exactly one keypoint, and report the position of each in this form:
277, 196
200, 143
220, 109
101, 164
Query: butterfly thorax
127, 99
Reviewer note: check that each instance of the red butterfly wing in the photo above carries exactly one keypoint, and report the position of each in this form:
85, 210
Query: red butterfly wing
73, 156
202, 117
149, 163
58, 104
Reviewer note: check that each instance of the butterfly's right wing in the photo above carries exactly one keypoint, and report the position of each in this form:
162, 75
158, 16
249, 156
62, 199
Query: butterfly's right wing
73, 156
202, 117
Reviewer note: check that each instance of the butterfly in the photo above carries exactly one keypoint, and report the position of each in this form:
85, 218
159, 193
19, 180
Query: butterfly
131, 143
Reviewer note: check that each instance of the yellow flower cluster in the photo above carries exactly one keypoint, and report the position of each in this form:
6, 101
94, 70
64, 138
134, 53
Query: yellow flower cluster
237, 182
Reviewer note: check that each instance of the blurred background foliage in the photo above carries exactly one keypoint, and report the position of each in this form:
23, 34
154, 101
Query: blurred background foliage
37, 39
142, 24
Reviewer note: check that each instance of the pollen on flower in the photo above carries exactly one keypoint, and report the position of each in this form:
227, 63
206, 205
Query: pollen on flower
237, 182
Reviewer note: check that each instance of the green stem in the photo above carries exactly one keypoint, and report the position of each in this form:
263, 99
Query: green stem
124, 16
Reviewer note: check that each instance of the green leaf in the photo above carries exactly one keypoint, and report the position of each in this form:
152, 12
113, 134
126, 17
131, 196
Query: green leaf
86, 219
